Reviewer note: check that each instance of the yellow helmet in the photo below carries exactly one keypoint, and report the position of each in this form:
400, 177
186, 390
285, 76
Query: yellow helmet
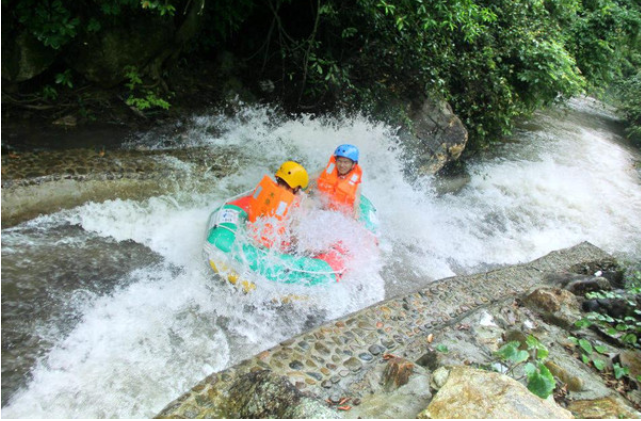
293, 174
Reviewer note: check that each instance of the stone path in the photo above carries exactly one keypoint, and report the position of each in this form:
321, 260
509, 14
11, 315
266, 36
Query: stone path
336, 358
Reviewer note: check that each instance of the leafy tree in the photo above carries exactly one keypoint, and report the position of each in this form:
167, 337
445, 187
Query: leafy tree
493, 60
629, 92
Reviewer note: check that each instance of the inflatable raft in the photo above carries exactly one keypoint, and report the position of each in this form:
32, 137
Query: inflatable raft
231, 257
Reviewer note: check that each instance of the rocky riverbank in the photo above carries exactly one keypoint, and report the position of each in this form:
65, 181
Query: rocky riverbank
35, 183
431, 354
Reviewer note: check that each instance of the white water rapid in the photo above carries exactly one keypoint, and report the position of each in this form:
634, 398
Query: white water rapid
127, 315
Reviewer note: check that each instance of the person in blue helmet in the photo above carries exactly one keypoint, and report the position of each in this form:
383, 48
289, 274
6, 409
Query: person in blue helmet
339, 184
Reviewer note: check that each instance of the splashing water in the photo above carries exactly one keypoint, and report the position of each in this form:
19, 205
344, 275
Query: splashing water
121, 313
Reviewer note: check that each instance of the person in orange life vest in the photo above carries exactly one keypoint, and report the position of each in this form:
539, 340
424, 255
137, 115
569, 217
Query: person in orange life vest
339, 184
275, 200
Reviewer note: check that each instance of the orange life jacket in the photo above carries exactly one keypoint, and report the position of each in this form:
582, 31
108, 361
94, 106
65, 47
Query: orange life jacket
270, 201
341, 191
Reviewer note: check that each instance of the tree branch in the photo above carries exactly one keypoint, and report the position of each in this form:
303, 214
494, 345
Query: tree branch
310, 42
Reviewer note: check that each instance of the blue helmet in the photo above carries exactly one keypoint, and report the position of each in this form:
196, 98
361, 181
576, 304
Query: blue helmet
347, 151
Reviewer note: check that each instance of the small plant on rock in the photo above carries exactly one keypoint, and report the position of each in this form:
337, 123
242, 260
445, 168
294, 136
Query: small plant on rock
607, 367
617, 313
539, 379
588, 352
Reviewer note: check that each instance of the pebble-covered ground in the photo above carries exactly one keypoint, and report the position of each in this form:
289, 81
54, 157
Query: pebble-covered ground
334, 359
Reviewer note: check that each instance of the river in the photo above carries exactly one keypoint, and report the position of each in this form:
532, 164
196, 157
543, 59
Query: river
109, 309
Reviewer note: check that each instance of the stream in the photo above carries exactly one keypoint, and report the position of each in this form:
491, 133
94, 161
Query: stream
109, 309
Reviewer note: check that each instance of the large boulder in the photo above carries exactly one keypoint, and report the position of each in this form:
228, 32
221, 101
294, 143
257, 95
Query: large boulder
607, 408
102, 57
477, 394
437, 136
24, 57
263, 394
555, 305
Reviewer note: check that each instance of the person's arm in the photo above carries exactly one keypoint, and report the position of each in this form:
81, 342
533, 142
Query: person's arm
357, 203
313, 181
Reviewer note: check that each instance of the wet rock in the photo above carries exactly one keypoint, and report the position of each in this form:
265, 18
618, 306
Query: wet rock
315, 375
320, 347
265, 395
606, 408
634, 396
66, 121
588, 284
471, 393
555, 305
439, 377
353, 364
632, 360
571, 379
438, 137
397, 373
429, 360
24, 56
376, 349
452, 178
614, 307
389, 344
398, 403
296, 365
486, 331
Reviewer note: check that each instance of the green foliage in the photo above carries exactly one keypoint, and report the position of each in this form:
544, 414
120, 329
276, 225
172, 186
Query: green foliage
49, 92
510, 352
629, 93
140, 97
150, 100
163, 7
626, 328
588, 353
493, 60
539, 379
601, 37
56, 23
65, 79
222, 20
51, 22
620, 372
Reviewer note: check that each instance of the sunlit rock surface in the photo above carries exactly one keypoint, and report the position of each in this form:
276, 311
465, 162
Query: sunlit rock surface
476, 394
